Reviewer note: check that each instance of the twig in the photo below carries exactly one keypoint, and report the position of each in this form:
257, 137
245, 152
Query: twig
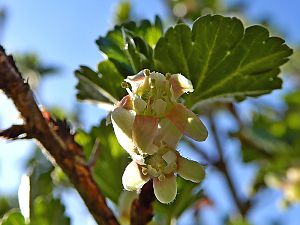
233, 110
245, 137
199, 151
94, 154
222, 166
13, 132
55, 137
142, 209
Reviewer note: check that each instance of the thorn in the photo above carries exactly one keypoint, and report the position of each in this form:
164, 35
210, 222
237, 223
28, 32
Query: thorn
14, 132
94, 154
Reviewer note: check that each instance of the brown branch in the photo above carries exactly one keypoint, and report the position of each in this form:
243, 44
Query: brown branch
199, 151
245, 137
14, 132
222, 166
95, 154
55, 138
142, 209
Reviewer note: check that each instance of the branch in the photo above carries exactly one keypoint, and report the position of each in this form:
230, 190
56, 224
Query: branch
56, 139
142, 209
222, 166
14, 132
199, 151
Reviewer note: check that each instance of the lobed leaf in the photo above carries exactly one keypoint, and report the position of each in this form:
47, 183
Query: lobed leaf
129, 49
221, 58
13, 217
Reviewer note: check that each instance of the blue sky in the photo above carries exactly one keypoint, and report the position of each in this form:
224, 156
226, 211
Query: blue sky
64, 33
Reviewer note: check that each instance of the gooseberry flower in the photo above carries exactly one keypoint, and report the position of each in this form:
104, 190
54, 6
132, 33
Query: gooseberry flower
162, 167
148, 123
150, 105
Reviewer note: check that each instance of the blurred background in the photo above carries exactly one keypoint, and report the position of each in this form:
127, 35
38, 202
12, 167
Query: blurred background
259, 137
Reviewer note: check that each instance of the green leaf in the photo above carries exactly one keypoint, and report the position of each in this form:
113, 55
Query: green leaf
13, 217
103, 86
112, 160
129, 46
4, 206
48, 211
221, 58
129, 49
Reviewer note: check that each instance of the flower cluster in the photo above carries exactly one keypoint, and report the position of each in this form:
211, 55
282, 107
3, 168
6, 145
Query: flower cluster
148, 123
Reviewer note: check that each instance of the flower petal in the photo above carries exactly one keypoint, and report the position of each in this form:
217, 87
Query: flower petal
187, 122
180, 85
159, 81
122, 121
132, 178
159, 107
139, 104
143, 133
139, 82
168, 133
170, 157
190, 170
126, 102
166, 190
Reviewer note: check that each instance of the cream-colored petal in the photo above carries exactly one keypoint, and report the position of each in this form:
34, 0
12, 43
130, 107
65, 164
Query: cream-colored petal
158, 77
170, 157
168, 133
166, 190
158, 82
139, 105
126, 102
140, 84
190, 170
180, 85
122, 121
139, 159
136, 80
143, 132
159, 107
132, 178
187, 122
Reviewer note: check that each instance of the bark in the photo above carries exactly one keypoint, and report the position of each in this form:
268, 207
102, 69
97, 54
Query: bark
54, 136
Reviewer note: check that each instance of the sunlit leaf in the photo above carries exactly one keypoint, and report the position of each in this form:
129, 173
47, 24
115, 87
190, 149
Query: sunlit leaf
128, 48
110, 161
13, 217
222, 59
48, 211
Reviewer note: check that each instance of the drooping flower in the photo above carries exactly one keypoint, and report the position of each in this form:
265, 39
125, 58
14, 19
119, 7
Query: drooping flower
162, 167
148, 123
152, 105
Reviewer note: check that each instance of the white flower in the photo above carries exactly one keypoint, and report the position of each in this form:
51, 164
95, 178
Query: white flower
162, 167
148, 124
